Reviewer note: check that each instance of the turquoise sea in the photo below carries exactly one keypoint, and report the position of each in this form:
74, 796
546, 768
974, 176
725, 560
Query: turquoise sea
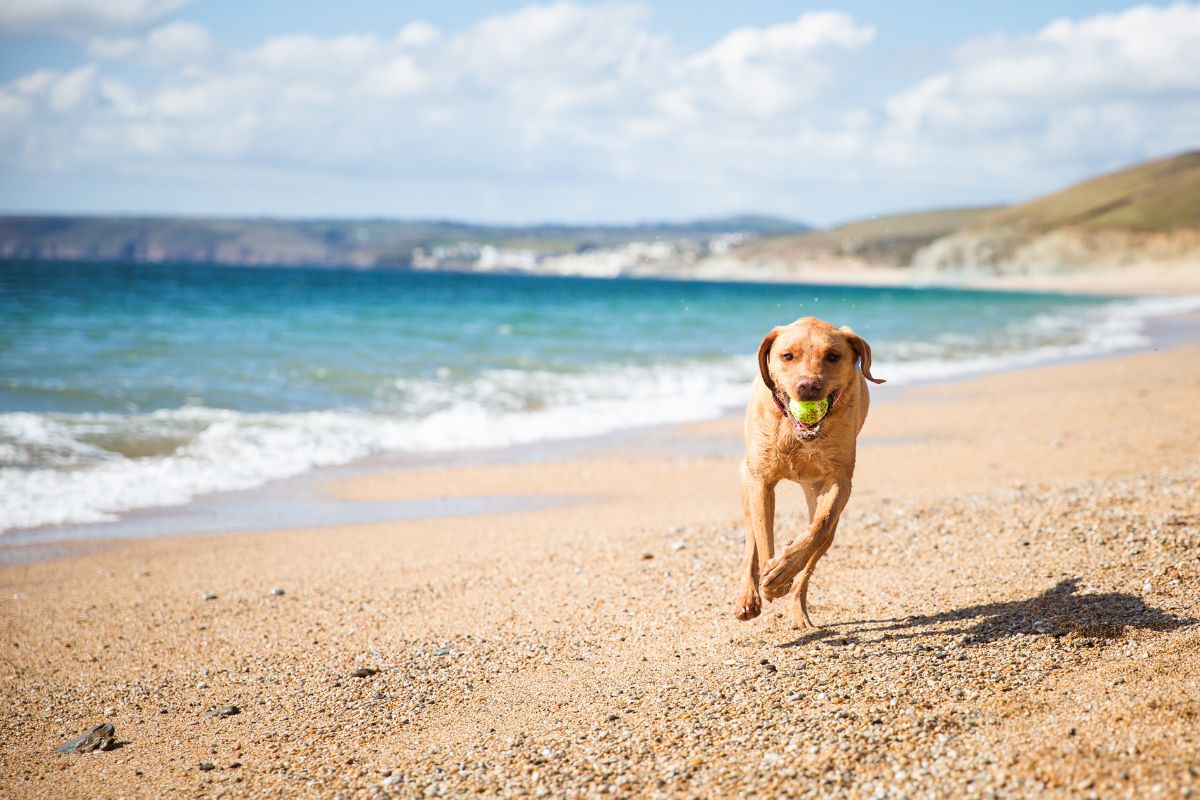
126, 386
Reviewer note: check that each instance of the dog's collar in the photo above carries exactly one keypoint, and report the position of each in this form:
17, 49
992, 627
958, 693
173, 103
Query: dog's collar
779, 405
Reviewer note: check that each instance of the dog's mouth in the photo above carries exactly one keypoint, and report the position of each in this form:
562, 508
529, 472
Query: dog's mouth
812, 428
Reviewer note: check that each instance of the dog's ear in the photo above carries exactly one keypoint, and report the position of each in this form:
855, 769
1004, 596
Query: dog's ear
764, 359
862, 350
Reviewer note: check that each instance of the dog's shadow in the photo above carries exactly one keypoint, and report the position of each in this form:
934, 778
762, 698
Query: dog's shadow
1060, 611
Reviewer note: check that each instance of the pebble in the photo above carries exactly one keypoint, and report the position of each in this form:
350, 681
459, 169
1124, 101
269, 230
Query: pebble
364, 672
210, 595
98, 739
225, 711
207, 766
277, 592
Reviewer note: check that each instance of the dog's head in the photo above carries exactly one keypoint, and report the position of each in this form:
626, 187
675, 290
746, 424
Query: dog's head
811, 360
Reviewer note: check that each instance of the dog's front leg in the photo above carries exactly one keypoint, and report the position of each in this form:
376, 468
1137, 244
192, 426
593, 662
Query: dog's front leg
777, 575
758, 509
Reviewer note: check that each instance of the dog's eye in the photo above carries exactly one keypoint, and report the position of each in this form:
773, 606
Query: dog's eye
833, 357
787, 356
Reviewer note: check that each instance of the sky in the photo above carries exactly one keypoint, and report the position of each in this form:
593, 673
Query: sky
513, 112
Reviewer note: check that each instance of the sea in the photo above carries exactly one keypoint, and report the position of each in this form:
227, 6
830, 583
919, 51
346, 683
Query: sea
128, 386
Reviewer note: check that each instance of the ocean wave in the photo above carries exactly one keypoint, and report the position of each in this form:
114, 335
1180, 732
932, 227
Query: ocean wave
45, 480
58, 469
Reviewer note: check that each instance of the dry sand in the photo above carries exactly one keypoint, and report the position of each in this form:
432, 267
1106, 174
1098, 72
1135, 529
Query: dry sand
1011, 610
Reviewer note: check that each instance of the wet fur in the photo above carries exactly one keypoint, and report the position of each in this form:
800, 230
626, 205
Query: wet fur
775, 451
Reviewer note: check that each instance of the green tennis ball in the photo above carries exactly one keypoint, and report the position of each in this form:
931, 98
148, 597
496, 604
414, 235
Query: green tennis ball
809, 412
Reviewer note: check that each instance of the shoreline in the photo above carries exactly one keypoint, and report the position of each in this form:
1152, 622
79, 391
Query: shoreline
282, 504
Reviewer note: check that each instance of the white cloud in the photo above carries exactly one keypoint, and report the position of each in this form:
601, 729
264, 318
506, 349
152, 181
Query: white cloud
417, 34
587, 110
1123, 84
70, 91
767, 71
170, 44
82, 17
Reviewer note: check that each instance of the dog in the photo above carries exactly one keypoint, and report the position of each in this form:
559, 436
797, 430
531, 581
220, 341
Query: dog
807, 360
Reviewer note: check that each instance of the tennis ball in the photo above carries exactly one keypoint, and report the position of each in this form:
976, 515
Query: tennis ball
809, 412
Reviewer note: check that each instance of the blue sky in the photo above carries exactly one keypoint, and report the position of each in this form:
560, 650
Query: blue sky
520, 112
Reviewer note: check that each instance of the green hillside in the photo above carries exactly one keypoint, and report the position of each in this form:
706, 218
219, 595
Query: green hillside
887, 241
1156, 196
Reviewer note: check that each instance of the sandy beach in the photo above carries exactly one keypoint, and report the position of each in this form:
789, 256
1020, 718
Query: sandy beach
1010, 611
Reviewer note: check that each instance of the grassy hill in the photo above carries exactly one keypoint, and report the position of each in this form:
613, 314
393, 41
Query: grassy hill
1156, 196
1147, 215
885, 241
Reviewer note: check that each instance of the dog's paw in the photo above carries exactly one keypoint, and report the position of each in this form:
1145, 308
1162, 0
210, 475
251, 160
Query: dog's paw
748, 606
802, 622
778, 575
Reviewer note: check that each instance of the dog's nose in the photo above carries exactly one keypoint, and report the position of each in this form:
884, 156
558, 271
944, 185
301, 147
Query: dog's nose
809, 389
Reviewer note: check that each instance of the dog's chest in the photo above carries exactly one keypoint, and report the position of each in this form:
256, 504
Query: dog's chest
807, 461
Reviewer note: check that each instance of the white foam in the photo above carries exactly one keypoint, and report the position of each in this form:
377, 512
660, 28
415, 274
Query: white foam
55, 476
236, 450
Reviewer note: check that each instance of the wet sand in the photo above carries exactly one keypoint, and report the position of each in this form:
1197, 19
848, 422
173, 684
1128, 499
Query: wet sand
1011, 610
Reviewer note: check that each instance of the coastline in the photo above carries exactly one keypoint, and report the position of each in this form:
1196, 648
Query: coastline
1011, 602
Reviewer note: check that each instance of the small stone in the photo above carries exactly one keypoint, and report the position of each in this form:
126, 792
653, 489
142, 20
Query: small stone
100, 738
235, 765
207, 766
678, 545
647, 556
613, 717
225, 711
210, 595
392, 780
277, 592
363, 672
445, 651
110, 712
1085, 785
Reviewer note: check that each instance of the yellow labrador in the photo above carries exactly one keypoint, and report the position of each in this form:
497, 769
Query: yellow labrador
804, 361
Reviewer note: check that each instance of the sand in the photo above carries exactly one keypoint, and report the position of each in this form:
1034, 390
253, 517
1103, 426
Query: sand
1010, 610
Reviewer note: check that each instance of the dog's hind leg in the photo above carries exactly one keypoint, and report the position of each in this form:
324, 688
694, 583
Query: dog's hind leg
800, 618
